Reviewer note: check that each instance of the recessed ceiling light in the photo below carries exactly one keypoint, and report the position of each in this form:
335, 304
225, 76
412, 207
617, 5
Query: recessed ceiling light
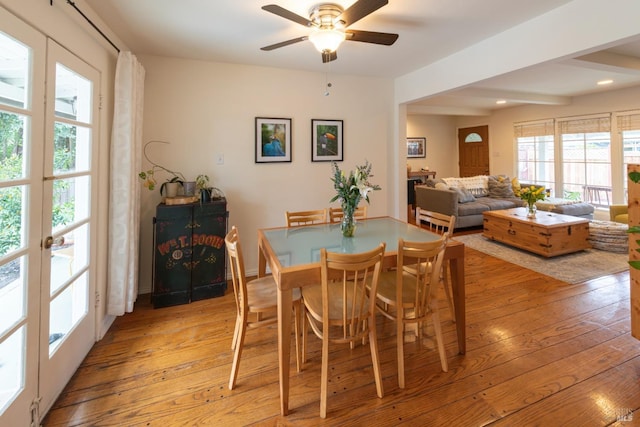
501, 101
605, 82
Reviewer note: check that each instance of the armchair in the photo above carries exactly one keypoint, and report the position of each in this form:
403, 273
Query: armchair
618, 213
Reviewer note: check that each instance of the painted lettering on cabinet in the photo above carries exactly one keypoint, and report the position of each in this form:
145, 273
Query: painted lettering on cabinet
183, 242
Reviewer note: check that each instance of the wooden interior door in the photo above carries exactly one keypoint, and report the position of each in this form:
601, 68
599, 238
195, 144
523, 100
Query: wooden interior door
473, 149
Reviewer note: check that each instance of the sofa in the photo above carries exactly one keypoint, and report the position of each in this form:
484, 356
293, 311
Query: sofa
467, 198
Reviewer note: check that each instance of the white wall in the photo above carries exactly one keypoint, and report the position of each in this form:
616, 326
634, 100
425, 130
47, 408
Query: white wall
440, 132
205, 109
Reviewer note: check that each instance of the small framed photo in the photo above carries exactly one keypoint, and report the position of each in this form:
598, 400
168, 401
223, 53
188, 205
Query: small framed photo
273, 140
416, 147
326, 140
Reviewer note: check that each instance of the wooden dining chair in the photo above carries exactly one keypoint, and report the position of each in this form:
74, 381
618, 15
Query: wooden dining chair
440, 224
336, 214
306, 217
410, 298
339, 309
254, 299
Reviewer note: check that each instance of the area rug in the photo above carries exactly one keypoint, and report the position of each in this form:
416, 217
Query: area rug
571, 268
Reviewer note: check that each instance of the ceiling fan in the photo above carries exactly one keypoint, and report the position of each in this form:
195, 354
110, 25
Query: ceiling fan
329, 22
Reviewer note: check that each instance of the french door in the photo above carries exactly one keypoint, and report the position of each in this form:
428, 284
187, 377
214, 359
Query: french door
47, 215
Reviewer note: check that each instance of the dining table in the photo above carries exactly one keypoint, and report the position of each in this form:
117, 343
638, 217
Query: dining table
293, 256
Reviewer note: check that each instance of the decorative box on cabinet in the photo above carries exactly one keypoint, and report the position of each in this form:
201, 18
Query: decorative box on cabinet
189, 261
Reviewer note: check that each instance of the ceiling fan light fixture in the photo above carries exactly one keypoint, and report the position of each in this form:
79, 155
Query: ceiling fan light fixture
327, 40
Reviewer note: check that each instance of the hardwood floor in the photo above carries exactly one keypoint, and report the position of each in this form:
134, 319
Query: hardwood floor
539, 352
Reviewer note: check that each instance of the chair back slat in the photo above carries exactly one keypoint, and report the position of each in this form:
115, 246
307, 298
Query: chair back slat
436, 222
236, 263
318, 216
345, 279
425, 282
336, 214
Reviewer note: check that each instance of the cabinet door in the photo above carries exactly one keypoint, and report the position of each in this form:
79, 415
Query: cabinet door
172, 255
208, 274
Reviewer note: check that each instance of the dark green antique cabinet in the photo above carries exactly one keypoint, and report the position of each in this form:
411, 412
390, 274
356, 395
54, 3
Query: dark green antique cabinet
189, 261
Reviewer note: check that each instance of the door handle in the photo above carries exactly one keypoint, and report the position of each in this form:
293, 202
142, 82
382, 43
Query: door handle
49, 241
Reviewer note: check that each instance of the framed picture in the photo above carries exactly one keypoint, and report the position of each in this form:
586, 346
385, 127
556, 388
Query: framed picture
326, 140
416, 147
273, 140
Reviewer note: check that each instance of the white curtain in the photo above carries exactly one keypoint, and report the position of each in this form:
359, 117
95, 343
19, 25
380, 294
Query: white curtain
124, 194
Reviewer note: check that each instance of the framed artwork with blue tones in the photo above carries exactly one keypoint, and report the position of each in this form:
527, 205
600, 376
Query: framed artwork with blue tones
273, 140
326, 140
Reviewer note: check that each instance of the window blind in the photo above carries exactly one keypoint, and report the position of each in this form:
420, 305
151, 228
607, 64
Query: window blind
586, 125
628, 121
538, 128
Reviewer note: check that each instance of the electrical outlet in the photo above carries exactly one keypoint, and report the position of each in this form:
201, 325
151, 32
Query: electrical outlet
220, 159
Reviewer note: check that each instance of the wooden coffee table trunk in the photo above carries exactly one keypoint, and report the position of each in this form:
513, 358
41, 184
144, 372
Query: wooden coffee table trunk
548, 234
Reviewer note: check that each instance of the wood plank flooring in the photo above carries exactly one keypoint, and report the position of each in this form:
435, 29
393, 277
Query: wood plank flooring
540, 352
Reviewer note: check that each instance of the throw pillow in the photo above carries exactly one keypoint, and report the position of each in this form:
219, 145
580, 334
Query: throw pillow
515, 185
477, 185
441, 186
500, 187
431, 182
464, 195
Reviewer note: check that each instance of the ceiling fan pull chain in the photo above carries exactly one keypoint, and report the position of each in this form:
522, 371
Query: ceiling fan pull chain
327, 83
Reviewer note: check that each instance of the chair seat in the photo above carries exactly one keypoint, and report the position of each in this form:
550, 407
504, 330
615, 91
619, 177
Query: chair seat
262, 294
313, 302
387, 288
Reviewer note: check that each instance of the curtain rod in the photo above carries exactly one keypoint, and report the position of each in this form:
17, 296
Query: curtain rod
90, 22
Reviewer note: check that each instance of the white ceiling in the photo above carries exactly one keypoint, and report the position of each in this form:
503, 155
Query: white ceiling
234, 30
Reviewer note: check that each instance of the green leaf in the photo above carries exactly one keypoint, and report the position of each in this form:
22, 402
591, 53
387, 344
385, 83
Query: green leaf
634, 230
634, 176
635, 264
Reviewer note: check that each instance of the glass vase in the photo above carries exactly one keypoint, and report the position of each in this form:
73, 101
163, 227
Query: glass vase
348, 224
531, 210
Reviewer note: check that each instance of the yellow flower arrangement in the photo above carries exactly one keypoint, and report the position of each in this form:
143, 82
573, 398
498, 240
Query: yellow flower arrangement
531, 194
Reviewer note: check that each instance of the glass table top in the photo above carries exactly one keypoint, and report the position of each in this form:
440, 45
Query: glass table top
301, 245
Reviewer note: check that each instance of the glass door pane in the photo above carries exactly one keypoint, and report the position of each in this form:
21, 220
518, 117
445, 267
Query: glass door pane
71, 165
22, 53
13, 211
68, 275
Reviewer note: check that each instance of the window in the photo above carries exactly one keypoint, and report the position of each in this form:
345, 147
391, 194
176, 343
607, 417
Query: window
535, 148
586, 158
629, 129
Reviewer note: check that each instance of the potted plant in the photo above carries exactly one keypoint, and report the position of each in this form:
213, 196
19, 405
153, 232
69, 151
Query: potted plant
202, 184
172, 184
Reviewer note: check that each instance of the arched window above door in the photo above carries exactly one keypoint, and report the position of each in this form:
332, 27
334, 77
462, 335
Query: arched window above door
473, 137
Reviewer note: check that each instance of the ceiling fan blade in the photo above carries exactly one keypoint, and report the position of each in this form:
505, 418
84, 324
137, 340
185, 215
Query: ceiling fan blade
386, 39
359, 10
286, 14
329, 56
285, 43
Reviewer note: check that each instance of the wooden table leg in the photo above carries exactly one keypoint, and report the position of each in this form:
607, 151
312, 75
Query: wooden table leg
262, 262
456, 264
284, 346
